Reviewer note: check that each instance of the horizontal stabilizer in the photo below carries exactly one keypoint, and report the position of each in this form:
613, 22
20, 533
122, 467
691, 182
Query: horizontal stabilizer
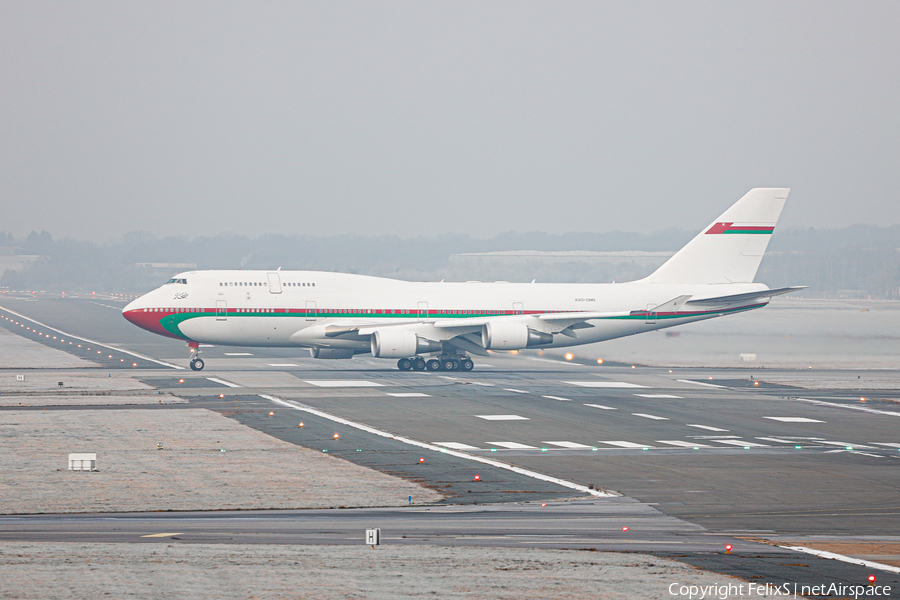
742, 298
673, 305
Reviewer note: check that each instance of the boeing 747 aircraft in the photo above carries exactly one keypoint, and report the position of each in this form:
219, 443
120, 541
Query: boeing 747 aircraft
436, 326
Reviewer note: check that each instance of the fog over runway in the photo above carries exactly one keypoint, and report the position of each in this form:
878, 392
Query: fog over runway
687, 458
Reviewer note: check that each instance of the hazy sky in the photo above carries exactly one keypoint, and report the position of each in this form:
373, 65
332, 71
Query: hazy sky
416, 118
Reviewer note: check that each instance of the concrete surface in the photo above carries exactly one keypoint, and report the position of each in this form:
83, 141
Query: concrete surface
69, 571
192, 472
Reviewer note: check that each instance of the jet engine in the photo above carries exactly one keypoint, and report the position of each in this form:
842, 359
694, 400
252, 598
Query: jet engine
509, 335
388, 343
333, 353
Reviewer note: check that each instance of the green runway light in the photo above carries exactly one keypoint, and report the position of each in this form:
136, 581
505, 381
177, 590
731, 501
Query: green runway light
849, 448
746, 447
696, 447
323, 450
797, 447
493, 449
594, 449
645, 448
543, 449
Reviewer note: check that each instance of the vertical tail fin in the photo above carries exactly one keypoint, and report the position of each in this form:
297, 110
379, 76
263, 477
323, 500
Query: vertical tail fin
730, 248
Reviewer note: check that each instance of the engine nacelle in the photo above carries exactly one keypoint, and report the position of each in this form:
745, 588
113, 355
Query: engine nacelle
509, 335
332, 353
388, 343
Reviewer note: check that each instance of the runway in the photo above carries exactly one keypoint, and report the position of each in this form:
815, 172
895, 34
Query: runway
686, 458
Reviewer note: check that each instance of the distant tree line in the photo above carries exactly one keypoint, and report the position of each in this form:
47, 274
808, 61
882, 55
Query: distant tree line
861, 259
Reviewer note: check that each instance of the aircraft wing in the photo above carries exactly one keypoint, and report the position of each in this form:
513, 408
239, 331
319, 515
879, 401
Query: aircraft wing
743, 298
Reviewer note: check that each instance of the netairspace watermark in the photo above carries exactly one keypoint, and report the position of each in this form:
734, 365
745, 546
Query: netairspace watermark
768, 590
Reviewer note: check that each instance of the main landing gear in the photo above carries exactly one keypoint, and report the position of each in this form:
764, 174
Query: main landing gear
441, 363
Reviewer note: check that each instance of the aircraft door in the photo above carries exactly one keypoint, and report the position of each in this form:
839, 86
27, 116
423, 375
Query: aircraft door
518, 308
311, 310
274, 283
221, 310
651, 316
422, 311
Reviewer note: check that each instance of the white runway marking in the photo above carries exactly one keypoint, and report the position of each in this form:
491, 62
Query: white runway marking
654, 417
847, 559
282, 365
98, 344
605, 384
776, 440
481, 383
515, 390
706, 427
888, 444
601, 406
712, 385
743, 443
343, 383
851, 407
657, 396
237, 354
682, 444
457, 446
222, 381
408, 395
512, 445
622, 444
502, 417
846, 445
474, 458
556, 398
572, 445
794, 419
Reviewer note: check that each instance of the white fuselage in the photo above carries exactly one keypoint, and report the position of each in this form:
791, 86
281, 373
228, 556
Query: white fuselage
306, 308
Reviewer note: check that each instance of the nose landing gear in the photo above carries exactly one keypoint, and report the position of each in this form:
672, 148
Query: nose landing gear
197, 363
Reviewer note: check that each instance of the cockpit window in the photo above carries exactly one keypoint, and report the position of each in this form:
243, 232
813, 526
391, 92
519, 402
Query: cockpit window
173, 280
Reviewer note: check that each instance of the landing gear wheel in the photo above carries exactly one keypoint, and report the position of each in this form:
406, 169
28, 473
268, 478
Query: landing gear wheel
197, 364
449, 365
466, 364
404, 364
418, 364
433, 365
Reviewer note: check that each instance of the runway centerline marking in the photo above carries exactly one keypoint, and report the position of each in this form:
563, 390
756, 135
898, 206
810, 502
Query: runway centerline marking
344, 383
739, 442
237, 354
682, 444
846, 445
161, 535
605, 384
600, 406
282, 365
457, 446
503, 418
515, 390
223, 382
654, 417
712, 385
623, 444
408, 395
556, 398
572, 445
794, 419
658, 396
512, 445
706, 427
456, 453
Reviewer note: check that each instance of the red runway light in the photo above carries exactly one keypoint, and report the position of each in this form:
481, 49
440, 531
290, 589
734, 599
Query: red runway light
478, 478
422, 459
871, 579
543, 504
727, 548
